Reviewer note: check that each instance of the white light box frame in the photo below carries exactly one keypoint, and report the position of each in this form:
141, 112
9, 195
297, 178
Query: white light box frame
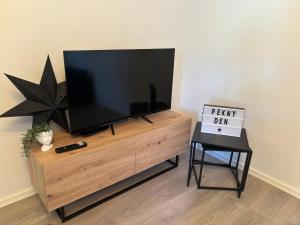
222, 120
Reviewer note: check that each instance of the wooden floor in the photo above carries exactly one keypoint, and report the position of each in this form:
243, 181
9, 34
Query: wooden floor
167, 200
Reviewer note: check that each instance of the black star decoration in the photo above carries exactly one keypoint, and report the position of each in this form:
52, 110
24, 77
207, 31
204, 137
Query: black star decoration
45, 101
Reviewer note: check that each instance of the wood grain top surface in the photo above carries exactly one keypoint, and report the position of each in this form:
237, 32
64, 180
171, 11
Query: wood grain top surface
103, 139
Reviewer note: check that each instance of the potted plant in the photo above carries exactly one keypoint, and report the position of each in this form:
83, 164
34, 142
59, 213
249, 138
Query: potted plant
42, 133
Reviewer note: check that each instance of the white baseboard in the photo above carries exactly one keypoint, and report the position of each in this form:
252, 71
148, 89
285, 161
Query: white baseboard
16, 197
262, 176
276, 183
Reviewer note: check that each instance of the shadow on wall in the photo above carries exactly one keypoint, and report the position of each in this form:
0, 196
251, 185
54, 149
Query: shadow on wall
197, 115
15, 124
178, 78
226, 102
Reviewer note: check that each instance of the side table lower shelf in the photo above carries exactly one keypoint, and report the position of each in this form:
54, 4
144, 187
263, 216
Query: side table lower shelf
61, 211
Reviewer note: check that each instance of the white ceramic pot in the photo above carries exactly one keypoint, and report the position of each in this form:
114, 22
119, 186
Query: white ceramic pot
45, 138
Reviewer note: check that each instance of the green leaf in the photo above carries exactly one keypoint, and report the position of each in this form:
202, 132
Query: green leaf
31, 134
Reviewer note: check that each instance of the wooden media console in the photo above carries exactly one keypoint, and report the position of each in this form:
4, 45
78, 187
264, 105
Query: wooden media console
63, 178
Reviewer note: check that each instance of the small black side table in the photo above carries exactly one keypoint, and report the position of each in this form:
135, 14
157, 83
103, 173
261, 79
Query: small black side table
214, 142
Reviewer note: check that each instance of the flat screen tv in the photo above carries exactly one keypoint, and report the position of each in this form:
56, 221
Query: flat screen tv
109, 86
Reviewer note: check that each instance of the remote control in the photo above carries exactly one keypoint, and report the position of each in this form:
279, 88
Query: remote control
80, 144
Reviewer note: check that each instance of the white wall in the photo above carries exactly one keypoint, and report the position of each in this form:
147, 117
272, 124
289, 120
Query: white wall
243, 53
247, 53
32, 29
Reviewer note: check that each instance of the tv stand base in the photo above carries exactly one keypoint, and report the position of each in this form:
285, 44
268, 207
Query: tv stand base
112, 129
93, 131
103, 128
61, 211
145, 118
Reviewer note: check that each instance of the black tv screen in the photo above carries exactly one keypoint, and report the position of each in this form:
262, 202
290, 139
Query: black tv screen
108, 86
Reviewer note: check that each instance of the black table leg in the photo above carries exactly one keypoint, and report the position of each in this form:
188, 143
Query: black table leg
245, 173
237, 174
240, 184
192, 152
230, 160
238, 161
201, 167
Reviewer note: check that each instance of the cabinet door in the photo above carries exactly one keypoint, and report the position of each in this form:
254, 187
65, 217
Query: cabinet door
78, 176
161, 144
65, 182
110, 166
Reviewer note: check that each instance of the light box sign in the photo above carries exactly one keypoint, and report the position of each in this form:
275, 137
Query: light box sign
222, 120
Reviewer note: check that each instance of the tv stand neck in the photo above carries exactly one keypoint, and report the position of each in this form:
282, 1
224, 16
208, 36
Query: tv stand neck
112, 129
145, 118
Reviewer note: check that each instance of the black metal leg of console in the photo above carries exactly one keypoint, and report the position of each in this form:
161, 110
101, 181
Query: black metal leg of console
61, 211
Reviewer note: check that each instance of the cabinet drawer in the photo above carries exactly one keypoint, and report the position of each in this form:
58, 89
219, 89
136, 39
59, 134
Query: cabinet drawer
87, 173
111, 166
65, 183
161, 144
